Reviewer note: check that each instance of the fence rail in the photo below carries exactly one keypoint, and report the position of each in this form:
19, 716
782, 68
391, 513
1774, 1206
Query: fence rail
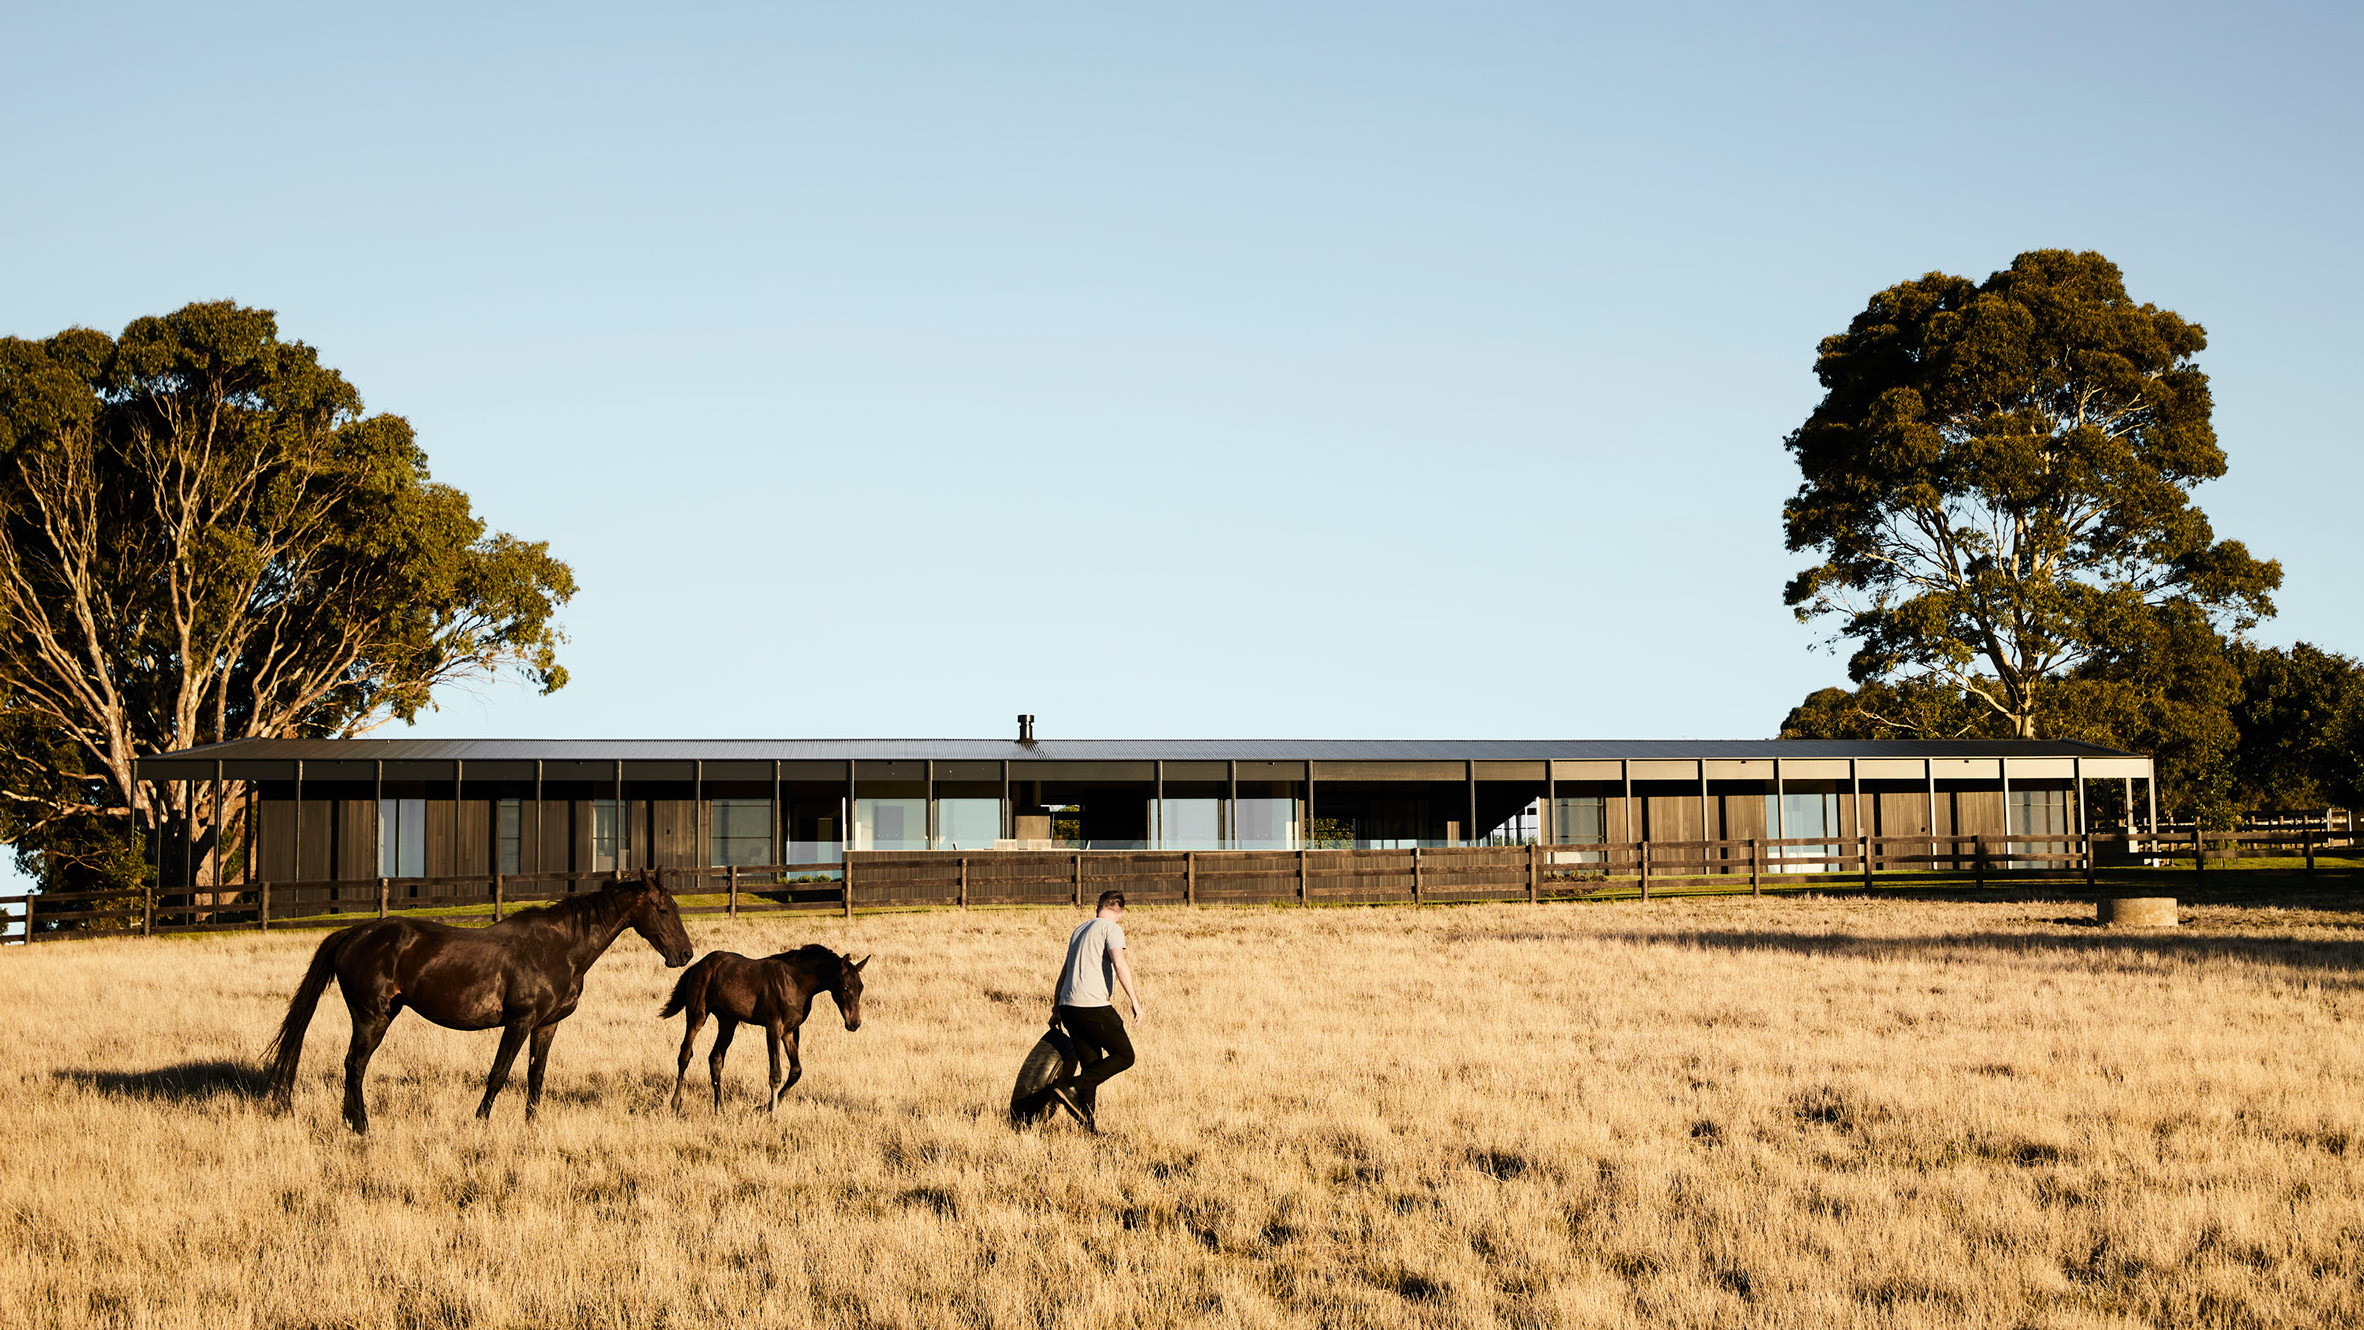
889, 880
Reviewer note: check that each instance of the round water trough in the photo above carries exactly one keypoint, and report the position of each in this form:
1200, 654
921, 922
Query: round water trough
2137, 912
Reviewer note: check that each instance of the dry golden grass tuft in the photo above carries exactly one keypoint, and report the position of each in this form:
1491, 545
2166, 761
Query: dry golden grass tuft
1720, 1113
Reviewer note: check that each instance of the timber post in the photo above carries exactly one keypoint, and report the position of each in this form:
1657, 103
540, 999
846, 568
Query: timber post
383, 892
2092, 864
1978, 860
28, 918
147, 911
1863, 846
1415, 875
263, 915
1534, 872
1079, 880
1301, 871
1642, 865
1756, 865
499, 892
2306, 841
964, 882
2199, 849
730, 888
1190, 878
846, 880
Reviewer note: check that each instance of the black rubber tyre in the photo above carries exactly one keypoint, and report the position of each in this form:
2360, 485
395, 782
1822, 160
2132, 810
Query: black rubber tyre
1051, 1060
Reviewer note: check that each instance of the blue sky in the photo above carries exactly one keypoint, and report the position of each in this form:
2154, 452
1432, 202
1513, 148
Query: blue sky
1300, 371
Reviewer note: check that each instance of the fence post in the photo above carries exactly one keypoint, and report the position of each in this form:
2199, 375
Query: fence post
730, 887
1863, 846
1190, 877
2092, 868
147, 911
1301, 868
1079, 880
964, 882
1534, 872
846, 880
28, 918
1415, 875
2306, 840
1643, 862
499, 892
1978, 860
265, 913
2199, 848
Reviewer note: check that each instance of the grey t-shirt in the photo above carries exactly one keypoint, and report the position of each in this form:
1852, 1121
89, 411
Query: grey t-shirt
1090, 972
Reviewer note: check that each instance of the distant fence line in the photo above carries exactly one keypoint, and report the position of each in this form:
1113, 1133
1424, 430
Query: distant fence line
892, 880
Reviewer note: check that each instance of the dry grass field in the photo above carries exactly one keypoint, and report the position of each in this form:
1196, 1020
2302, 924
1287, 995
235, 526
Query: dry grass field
1711, 1113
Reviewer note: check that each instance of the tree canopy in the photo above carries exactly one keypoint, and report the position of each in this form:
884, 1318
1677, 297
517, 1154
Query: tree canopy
2230, 726
1997, 488
203, 537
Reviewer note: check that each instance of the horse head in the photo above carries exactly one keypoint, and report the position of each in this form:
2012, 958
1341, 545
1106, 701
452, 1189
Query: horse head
848, 990
655, 915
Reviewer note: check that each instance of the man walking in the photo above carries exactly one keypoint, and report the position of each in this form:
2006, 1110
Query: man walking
1095, 967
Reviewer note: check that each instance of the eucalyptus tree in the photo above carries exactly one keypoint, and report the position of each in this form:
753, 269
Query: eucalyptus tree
1996, 487
204, 536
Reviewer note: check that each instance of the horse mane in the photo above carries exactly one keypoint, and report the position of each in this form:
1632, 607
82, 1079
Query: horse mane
814, 959
603, 907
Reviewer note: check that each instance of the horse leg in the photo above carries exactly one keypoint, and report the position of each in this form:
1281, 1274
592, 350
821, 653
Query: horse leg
724, 1028
368, 1029
537, 1057
789, 1036
512, 1038
692, 1022
771, 1044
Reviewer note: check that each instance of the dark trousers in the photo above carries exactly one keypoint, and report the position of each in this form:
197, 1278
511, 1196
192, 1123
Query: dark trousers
1099, 1035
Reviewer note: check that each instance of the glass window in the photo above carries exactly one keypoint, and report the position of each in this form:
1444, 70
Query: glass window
1265, 824
890, 824
402, 838
2037, 813
508, 837
1800, 813
1189, 824
1580, 820
605, 824
742, 831
967, 824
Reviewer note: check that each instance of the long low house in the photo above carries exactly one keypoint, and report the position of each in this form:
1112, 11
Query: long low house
409, 808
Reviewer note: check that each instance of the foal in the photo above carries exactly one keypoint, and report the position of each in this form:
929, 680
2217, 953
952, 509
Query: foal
775, 992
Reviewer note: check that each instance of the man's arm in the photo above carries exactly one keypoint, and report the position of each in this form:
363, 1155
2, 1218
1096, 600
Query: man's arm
1124, 978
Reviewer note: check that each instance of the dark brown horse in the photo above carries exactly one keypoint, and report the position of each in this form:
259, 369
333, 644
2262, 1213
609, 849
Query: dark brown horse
775, 993
523, 974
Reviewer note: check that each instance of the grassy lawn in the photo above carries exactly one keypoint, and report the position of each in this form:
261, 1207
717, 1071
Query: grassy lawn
1929, 1108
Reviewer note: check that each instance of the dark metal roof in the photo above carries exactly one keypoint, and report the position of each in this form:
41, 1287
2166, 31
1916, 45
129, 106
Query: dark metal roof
1112, 750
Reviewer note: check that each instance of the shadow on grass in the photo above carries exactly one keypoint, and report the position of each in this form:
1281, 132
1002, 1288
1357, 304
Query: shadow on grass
2332, 957
182, 1083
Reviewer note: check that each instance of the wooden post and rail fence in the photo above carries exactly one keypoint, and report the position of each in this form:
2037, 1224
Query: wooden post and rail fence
1412, 875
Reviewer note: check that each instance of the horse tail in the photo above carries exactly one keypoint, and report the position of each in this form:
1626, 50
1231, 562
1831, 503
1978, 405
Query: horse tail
691, 984
287, 1047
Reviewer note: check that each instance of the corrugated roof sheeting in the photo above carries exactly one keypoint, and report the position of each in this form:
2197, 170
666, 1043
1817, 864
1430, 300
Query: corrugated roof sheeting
179, 764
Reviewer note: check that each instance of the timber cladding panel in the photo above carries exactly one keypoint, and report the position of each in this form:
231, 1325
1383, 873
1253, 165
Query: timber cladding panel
357, 838
443, 836
675, 838
472, 838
